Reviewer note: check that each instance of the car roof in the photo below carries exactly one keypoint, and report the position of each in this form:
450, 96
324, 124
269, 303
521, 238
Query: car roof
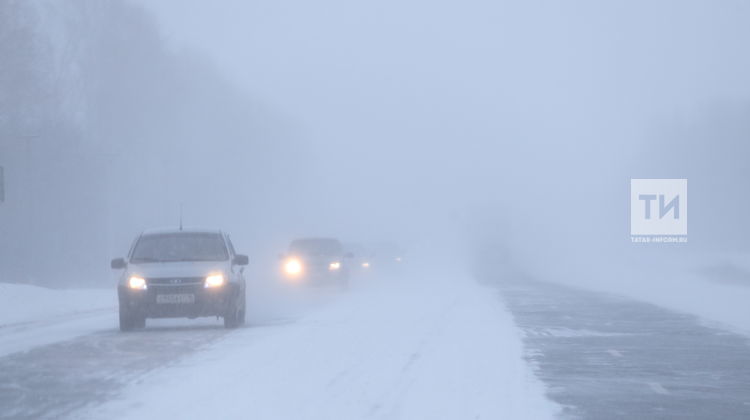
154, 231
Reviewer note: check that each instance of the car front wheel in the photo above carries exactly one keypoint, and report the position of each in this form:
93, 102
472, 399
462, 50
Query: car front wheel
241, 314
231, 320
235, 315
130, 320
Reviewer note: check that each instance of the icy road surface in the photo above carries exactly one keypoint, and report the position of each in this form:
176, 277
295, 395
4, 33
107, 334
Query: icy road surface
429, 346
606, 357
55, 380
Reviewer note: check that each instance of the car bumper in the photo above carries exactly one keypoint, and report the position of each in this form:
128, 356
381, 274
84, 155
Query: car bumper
205, 302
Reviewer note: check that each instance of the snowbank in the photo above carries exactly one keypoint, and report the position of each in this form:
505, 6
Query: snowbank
32, 316
21, 303
712, 286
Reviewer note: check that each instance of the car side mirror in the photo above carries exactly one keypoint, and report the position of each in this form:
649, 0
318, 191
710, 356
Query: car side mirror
118, 263
240, 260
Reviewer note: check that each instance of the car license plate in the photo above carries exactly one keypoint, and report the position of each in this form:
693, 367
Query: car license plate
176, 298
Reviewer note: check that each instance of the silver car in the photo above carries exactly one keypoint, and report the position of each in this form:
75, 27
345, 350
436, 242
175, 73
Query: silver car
181, 273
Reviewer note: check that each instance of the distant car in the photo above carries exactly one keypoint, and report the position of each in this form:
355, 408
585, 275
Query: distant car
361, 258
317, 261
387, 257
181, 273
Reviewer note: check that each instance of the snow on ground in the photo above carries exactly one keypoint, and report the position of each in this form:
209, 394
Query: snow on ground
32, 316
713, 286
435, 347
23, 303
710, 286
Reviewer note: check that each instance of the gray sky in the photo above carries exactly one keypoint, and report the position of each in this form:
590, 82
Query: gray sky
424, 111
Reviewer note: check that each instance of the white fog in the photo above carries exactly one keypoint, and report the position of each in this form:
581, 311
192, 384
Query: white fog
395, 209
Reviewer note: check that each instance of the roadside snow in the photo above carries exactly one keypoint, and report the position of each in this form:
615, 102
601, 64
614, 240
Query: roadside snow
435, 347
21, 303
32, 316
712, 286
716, 299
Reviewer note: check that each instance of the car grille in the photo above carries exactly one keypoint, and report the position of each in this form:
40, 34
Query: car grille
175, 281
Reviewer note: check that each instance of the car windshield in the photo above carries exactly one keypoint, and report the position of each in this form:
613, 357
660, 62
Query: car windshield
180, 247
315, 247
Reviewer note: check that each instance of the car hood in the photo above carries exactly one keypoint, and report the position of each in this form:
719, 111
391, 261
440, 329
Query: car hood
178, 269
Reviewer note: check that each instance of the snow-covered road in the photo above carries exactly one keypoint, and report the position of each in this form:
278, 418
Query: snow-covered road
605, 356
423, 346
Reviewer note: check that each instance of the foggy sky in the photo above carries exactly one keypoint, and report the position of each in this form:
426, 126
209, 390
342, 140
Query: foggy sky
455, 124
539, 111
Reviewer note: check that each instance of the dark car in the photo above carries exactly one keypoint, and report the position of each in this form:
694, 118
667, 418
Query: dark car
181, 273
317, 261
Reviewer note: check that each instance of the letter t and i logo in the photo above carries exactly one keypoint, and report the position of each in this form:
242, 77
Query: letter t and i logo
658, 207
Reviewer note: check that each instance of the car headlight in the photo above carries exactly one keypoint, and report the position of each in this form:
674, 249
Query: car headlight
214, 280
293, 267
365, 265
137, 283
334, 266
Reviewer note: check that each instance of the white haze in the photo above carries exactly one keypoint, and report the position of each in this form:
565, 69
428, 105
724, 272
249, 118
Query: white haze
505, 132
